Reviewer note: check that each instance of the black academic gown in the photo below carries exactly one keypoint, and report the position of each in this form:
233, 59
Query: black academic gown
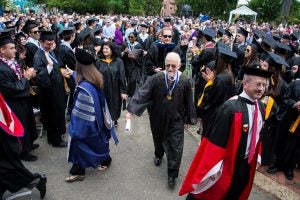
17, 95
114, 84
133, 70
30, 52
146, 43
157, 54
290, 152
167, 117
67, 57
52, 98
214, 96
238, 63
14, 175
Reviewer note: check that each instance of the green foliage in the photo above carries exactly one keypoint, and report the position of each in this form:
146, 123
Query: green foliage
136, 7
266, 9
153, 7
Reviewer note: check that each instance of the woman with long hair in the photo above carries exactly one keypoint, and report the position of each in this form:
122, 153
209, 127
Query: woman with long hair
90, 126
251, 55
112, 68
218, 88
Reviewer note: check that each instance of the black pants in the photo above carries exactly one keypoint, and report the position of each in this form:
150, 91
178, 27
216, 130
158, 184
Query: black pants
77, 170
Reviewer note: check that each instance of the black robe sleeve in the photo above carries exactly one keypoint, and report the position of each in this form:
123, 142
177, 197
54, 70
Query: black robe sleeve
142, 98
10, 85
40, 65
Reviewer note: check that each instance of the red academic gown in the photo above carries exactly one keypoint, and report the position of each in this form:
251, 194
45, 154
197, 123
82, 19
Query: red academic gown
226, 143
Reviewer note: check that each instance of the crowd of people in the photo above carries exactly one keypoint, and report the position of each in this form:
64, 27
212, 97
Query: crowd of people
244, 87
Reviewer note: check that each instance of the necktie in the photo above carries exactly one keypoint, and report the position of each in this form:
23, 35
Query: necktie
254, 133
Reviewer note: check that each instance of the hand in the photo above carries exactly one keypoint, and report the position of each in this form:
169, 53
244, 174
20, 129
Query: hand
29, 73
208, 75
130, 55
124, 96
158, 69
128, 116
297, 105
126, 50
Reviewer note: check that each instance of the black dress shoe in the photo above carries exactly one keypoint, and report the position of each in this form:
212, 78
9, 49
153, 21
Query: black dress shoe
28, 157
61, 144
289, 174
34, 146
171, 181
273, 169
157, 161
41, 186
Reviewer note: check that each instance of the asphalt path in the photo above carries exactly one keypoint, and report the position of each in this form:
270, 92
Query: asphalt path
131, 176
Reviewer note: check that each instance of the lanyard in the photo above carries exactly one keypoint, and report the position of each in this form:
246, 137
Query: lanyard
170, 90
52, 57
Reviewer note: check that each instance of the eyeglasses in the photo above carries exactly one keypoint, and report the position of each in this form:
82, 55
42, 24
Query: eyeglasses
167, 36
257, 85
247, 50
35, 32
170, 66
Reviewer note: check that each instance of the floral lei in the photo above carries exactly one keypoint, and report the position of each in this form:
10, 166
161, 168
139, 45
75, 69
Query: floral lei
14, 66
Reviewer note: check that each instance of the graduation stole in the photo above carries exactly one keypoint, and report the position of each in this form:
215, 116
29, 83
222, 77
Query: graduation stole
67, 89
209, 83
295, 125
108, 60
269, 106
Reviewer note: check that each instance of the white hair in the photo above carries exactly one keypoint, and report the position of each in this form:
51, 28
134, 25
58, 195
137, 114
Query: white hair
173, 56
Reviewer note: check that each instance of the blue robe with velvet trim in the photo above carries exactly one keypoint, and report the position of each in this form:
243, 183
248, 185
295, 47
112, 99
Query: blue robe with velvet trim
90, 137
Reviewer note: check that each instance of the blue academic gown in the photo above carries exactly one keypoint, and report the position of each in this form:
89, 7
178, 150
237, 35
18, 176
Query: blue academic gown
90, 136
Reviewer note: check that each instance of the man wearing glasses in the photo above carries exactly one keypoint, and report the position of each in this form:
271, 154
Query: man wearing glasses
155, 60
32, 42
170, 94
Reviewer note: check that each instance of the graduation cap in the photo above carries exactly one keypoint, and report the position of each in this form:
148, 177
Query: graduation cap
29, 24
228, 33
221, 31
168, 19
256, 46
258, 33
282, 48
276, 61
91, 20
83, 34
7, 32
65, 31
47, 35
76, 23
226, 54
19, 36
144, 25
256, 70
209, 32
6, 40
84, 56
243, 31
97, 29
276, 37
295, 36
286, 36
269, 41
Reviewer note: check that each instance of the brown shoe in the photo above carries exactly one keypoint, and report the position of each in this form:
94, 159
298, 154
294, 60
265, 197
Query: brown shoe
73, 178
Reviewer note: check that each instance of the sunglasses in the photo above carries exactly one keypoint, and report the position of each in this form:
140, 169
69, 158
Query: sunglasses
247, 50
167, 36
